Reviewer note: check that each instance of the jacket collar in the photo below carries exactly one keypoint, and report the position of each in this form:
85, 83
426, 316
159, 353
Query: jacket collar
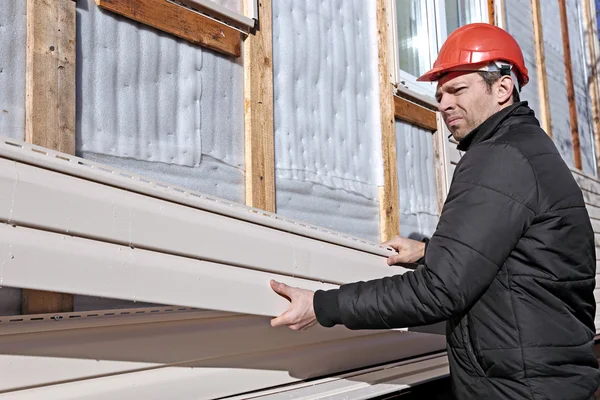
490, 126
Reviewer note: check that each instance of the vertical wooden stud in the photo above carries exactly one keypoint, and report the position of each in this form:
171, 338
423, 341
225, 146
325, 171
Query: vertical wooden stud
491, 12
564, 25
50, 74
50, 104
389, 211
442, 179
540, 58
258, 100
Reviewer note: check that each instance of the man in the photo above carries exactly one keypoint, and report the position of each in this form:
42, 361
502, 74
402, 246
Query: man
511, 266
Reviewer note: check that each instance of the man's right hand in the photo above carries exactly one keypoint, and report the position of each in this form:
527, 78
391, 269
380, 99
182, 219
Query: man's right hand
409, 251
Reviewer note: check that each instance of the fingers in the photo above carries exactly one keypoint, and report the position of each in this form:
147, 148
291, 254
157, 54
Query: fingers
395, 259
396, 243
287, 319
296, 317
390, 243
282, 289
283, 320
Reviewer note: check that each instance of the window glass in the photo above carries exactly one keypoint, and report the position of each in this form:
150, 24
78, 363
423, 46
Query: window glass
413, 36
421, 28
462, 12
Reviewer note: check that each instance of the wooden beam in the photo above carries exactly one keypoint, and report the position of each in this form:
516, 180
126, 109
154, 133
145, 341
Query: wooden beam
540, 58
415, 114
593, 86
259, 126
50, 75
564, 25
179, 21
389, 204
441, 163
50, 103
491, 12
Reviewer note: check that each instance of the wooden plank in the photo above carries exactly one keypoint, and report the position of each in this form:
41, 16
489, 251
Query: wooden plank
491, 12
50, 75
540, 59
50, 104
441, 179
591, 32
42, 302
258, 113
180, 22
389, 202
413, 113
564, 25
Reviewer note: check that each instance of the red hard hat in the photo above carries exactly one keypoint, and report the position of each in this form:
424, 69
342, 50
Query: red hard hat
478, 43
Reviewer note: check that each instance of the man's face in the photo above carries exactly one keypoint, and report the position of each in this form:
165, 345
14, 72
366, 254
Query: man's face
464, 102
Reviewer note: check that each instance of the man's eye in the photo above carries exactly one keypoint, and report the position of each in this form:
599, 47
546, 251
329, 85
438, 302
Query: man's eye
460, 89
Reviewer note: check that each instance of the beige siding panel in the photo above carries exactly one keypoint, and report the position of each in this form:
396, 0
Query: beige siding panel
593, 211
595, 225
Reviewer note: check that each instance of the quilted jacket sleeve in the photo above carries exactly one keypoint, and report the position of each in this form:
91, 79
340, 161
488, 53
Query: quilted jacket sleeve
491, 203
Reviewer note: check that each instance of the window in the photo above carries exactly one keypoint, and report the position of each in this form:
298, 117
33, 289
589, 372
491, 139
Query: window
420, 29
239, 13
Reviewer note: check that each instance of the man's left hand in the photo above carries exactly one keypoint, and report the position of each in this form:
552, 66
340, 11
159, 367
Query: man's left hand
301, 314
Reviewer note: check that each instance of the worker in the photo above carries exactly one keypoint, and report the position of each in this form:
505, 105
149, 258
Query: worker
511, 265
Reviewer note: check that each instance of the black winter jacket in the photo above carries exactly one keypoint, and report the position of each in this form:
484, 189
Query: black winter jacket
511, 269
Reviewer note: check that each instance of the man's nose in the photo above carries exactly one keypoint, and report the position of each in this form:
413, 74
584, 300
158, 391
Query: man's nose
445, 103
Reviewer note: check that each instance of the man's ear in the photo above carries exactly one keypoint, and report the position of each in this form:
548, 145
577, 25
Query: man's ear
504, 89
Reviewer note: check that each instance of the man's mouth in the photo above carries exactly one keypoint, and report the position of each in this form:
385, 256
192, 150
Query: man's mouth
453, 120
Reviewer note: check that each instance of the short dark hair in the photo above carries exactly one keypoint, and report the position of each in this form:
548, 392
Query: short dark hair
491, 77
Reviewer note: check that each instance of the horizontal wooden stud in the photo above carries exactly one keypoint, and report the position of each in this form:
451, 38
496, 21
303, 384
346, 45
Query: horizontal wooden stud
179, 21
410, 112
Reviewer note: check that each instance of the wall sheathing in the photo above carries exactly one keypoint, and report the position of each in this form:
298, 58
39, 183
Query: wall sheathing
154, 104
519, 23
13, 19
328, 160
147, 102
416, 181
581, 73
557, 82
13, 41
